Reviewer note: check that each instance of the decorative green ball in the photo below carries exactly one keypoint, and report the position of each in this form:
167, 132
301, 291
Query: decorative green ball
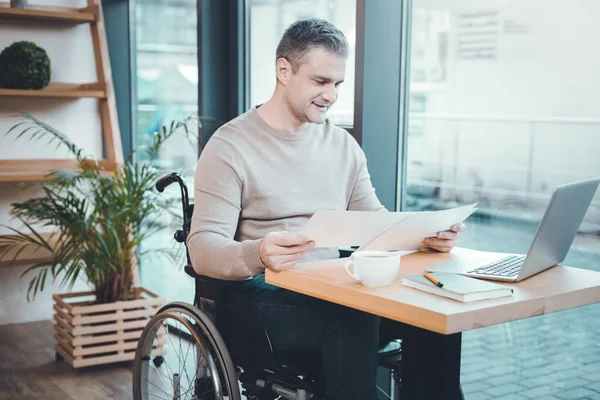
24, 65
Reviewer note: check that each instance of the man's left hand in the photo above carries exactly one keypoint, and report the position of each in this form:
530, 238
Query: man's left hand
445, 240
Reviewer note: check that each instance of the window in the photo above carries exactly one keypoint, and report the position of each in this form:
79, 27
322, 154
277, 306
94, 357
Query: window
503, 107
267, 22
167, 73
167, 90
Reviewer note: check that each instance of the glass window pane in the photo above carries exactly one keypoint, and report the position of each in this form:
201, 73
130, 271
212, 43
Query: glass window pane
167, 90
504, 102
268, 20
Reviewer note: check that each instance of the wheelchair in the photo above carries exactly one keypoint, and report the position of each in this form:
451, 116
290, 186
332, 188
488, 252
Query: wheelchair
218, 348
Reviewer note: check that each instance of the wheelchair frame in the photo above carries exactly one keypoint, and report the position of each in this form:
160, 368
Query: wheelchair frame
261, 375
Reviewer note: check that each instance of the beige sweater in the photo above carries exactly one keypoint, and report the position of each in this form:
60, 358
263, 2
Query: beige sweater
252, 179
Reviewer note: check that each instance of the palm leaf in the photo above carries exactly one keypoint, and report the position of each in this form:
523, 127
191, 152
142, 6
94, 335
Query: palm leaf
98, 221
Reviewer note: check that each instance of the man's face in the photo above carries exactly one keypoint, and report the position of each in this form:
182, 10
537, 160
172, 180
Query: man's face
313, 89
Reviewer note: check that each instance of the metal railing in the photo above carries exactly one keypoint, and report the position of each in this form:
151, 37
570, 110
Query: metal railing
534, 126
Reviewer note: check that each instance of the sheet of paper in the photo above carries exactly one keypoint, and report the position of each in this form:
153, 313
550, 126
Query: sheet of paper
349, 228
409, 233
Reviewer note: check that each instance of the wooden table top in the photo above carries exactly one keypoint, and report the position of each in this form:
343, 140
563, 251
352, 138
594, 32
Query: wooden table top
558, 288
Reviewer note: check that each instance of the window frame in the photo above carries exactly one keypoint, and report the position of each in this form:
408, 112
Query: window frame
382, 94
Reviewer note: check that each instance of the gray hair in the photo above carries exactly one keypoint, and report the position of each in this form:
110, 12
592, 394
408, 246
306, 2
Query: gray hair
304, 35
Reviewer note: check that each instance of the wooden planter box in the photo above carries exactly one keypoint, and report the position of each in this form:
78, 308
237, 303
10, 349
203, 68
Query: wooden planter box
92, 334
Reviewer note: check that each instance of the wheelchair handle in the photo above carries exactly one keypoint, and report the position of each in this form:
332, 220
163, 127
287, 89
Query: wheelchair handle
160, 185
173, 177
165, 181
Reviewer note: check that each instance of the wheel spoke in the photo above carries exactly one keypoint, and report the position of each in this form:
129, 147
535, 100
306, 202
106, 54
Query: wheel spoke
169, 377
153, 367
166, 362
185, 365
152, 394
204, 346
206, 390
159, 376
183, 359
152, 363
150, 382
179, 354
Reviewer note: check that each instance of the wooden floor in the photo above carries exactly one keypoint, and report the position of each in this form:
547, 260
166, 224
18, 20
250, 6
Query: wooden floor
28, 370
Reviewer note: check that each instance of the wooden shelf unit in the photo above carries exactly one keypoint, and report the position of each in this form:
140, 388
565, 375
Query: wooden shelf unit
47, 13
59, 90
103, 89
38, 169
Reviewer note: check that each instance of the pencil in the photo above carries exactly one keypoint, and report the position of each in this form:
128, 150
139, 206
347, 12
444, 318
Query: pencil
433, 280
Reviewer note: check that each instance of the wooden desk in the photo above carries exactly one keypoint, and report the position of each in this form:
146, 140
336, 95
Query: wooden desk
436, 339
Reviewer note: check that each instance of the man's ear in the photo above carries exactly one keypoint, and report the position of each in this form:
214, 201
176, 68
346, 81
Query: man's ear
283, 69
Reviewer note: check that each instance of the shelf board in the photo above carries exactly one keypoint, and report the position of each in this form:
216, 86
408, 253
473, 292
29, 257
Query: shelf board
55, 89
38, 169
28, 256
46, 13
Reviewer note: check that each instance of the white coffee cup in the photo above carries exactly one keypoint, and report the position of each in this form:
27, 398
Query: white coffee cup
373, 268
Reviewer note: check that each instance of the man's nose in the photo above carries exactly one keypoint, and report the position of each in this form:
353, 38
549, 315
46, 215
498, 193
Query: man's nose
330, 94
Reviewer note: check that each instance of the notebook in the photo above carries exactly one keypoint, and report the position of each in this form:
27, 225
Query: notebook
458, 287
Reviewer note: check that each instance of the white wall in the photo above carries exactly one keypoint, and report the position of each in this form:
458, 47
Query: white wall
72, 59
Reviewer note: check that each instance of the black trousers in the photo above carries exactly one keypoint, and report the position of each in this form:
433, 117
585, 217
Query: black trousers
349, 341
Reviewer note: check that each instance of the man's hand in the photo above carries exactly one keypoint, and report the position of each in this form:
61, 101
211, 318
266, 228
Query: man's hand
446, 240
280, 251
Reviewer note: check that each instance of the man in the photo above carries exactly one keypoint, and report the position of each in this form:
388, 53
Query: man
262, 176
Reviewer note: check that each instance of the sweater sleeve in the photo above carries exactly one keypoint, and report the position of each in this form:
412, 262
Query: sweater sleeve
217, 203
363, 196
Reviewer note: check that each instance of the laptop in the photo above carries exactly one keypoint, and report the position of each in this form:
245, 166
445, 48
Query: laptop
552, 240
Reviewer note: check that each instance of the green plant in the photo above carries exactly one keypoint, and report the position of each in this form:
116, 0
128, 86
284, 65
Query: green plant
24, 65
98, 218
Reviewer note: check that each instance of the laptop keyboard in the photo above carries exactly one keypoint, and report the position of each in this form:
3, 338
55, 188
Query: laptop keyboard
505, 267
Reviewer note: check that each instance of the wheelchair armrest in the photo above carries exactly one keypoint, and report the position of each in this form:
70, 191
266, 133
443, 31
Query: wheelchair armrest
221, 282
191, 272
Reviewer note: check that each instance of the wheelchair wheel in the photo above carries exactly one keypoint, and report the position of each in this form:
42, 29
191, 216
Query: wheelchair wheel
181, 355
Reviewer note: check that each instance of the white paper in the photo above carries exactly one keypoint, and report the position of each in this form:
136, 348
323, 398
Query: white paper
410, 233
376, 230
349, 228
